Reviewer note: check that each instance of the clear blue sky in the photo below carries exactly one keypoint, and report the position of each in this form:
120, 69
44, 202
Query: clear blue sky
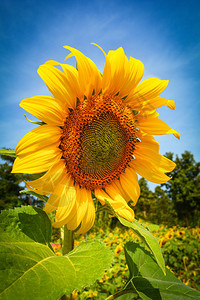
164, 35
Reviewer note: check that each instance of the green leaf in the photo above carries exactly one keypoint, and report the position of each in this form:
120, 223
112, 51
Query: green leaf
8, 153
29, 269
149, 281
146, 236
32, 271
41, 197
25, 224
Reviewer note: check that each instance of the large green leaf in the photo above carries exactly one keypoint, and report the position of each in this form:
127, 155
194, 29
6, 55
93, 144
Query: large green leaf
25, 223
149, 281
29, 269
146, 236
32, 271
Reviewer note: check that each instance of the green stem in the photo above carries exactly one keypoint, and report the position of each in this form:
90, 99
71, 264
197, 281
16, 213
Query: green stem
118, 294
67, 240
67, 246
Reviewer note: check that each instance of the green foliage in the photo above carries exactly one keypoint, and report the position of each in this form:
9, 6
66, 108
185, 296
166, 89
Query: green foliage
155, 207
184, 188
31, 270
26, 224
145, 235
115, 278
29, 267
165, 210
149, 281
10, 188
40, 274
146, 202
181, 252
147, 238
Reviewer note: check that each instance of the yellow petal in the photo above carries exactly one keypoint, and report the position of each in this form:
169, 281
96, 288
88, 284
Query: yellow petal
79, 211
99, 48
121, 191
158, 102
82, 199
53, 201
114, 74
170, 104
149, 171
58, 85
38, 138
51, 204
45, 108
62, 198
149, 155
120, 74
148, 141
156, 126
135, 71
117, 202
146, 114
46, 184
85, 212
129, 182
37, 162
147, 89
89, 218
89, 75
67, 204
69, 213
71, 77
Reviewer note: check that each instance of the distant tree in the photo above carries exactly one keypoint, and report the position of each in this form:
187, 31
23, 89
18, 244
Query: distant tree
184, 188
155, 207
165, 211
10, 188
146, 205
11, 185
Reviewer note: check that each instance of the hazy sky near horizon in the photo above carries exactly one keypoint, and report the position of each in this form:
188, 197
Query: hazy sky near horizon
164, 35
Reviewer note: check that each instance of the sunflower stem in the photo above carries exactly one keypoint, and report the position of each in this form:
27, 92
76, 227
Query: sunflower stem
67, 237
67, 240
120, 293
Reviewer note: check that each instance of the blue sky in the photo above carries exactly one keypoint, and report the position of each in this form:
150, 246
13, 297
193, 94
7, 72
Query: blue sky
164, 35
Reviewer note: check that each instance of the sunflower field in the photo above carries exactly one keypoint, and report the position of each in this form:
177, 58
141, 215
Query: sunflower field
180, 248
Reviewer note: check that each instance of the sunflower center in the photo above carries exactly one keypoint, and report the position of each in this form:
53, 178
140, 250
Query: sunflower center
103, 146
98, 141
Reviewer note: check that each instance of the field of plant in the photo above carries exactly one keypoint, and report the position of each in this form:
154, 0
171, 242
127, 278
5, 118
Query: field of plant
180, 247
108, 241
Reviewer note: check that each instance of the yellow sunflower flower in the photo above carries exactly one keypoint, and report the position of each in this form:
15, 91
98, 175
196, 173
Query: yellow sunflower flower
97, 137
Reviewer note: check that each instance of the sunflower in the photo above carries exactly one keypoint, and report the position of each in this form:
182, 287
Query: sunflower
95, 138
